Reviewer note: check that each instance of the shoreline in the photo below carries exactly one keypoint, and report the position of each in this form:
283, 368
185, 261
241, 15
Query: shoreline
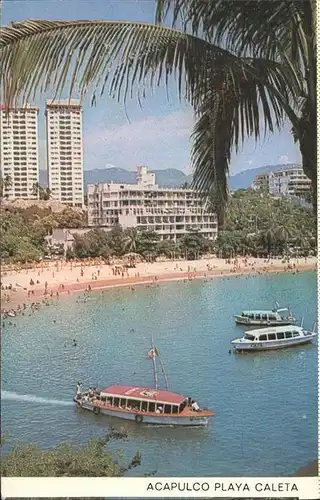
30, 294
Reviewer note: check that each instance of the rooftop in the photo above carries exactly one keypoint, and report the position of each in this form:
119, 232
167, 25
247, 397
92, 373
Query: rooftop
143, 393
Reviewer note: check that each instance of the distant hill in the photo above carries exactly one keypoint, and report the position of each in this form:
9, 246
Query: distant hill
170, 177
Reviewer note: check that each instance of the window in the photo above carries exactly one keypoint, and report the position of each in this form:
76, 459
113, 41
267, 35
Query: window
258, 316
249, 337
280, 335
264, 317
167, 408
295, 334
263, 337
271, 336
288, 335
251, 316
272, 317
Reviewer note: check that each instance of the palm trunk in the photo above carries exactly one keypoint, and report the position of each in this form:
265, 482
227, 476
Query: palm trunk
308, 149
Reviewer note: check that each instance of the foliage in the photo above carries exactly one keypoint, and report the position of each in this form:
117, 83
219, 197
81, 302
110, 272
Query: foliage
89, 460
5, 184
40, 192
23, 231
258, 224
242, 65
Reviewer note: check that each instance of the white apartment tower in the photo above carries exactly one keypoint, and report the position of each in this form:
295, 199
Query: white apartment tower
19, 158
65, 151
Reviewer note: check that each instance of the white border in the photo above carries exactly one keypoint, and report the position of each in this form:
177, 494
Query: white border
305, 488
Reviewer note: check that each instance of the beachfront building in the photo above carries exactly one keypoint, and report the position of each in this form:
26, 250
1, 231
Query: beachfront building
65, 151
171, 213
19, 159
261, 181
290, 181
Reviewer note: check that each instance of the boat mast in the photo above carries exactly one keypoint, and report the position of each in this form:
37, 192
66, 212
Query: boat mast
164, 373
154, 364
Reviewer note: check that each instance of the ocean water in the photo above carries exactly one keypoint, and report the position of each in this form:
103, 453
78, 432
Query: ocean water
265, 403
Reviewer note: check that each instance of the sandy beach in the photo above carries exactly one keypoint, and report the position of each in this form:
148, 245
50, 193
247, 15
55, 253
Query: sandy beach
51, 279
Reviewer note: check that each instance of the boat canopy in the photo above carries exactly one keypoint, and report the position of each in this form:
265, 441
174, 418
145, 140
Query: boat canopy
274, 329
274, 311
142, 394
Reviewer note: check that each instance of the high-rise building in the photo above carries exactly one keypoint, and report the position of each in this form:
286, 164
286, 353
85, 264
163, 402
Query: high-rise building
65, 151
171, 213
19, 159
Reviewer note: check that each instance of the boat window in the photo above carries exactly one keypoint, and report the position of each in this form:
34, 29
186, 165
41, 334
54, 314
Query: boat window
116, 401
271, 336
103, 399
144, 406
263, 337
167, 408
264, 316
249, 337
280, 335
132, 404
123, 403
175, 409
295, 334
272, 317
288, 335
258, 316
251, 316
152, 407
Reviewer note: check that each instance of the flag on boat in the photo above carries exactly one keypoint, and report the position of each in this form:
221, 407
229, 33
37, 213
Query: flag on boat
153, 353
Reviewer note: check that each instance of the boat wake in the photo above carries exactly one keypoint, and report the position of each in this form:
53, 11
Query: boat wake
29, 398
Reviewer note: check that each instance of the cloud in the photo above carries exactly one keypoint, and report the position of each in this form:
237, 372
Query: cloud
283, 159
142, 132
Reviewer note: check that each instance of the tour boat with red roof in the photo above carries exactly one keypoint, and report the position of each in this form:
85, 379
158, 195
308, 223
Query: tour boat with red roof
143, 404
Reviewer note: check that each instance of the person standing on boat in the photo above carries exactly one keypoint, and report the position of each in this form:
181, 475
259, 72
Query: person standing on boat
78, 393
195, 406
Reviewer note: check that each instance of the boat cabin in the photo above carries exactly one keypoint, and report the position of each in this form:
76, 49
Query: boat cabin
261, 315
138, 399
279, 333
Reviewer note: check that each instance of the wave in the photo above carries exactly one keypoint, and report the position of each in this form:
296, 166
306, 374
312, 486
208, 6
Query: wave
29, 398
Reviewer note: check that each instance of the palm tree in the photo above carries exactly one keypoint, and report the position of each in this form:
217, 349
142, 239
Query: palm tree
130, 240
5, 184
238, 63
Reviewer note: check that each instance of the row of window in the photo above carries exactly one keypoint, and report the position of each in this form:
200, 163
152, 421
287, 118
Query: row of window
273, 336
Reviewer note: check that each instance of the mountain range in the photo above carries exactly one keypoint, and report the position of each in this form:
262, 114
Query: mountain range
170, 177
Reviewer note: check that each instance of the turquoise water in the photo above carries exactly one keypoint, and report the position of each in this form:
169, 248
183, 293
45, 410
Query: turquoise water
265, 403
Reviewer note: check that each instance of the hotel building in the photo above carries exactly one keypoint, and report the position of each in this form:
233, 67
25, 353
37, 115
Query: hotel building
169, 212
19, 158
290, 182
65, 151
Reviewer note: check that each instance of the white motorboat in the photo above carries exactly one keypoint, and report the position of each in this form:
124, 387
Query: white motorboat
274, 317
278, 337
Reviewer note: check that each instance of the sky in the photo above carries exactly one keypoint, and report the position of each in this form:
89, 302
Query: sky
158, 135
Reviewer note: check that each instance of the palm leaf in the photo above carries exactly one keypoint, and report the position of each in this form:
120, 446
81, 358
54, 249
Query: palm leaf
229, 94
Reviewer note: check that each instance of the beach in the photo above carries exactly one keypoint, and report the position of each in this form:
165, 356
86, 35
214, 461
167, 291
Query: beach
53, 278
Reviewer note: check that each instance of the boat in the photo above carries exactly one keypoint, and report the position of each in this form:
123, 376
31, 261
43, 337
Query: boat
273, 317
143, 404
277, 337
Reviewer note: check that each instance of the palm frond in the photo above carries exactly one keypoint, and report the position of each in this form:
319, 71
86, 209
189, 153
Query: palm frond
78, 55
229, 94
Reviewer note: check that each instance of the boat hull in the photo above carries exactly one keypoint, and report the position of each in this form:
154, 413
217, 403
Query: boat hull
252, 322
140, 418
270, 345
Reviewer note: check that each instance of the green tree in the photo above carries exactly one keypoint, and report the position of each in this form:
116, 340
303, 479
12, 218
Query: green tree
5, 184
242, 65
91, 459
